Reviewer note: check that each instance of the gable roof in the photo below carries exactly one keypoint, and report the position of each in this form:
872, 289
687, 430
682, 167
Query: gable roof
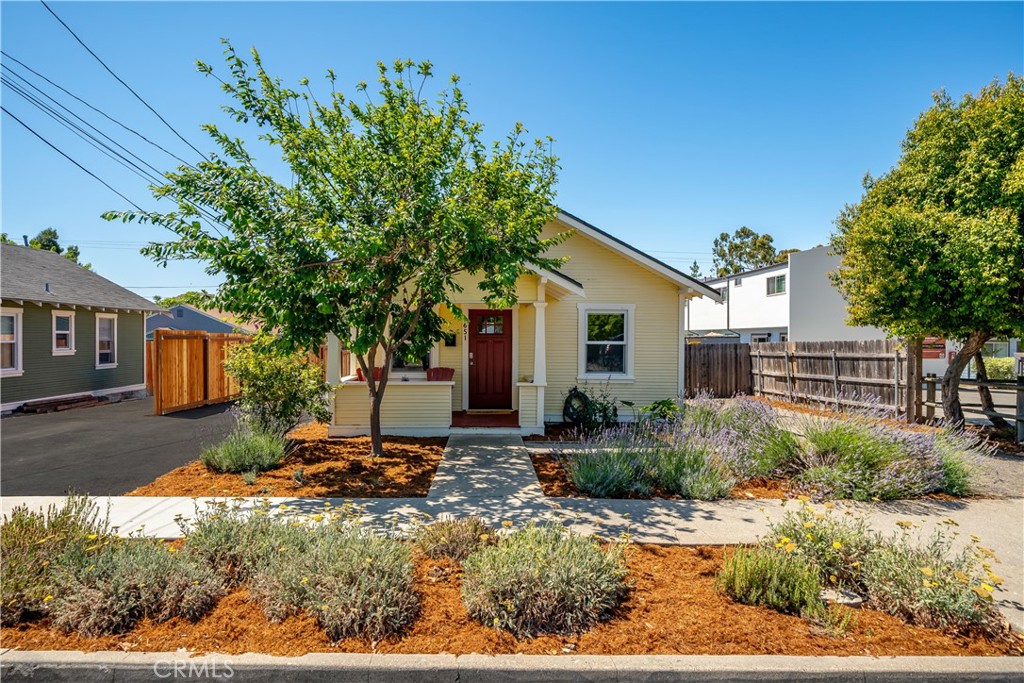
43, 277
223, 317
637, 256
744, 273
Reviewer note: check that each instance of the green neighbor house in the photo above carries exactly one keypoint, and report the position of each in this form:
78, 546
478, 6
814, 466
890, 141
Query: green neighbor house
66, 331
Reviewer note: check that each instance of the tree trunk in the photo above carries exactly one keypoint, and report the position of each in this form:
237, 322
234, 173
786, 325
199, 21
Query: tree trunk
985, 395
376, 439
954, 414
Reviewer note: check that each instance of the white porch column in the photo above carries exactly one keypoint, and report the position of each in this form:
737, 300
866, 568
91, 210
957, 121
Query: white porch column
540, 351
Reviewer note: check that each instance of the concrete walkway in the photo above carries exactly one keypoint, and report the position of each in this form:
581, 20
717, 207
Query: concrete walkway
492, 477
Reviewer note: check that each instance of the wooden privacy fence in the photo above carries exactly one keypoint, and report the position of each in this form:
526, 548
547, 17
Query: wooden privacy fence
722, 370
871, 374
184, 369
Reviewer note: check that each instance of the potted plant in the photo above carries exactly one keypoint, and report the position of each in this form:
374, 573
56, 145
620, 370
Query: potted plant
440, 374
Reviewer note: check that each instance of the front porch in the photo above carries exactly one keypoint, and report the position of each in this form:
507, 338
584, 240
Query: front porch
499, 367
424, 408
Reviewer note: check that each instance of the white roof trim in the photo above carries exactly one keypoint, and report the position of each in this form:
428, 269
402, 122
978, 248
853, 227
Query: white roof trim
639, 257
560, 281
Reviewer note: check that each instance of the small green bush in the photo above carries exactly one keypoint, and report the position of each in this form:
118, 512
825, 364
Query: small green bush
773, 453
692, 471
129, 580
454, 539
544, 579
33, 543
929, 585
236, 541
776, 578
354, 582
835, 546
245, 450
1001, 368
277, 388
612, 464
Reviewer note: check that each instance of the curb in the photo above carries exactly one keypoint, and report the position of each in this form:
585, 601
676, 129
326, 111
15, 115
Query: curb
116, 667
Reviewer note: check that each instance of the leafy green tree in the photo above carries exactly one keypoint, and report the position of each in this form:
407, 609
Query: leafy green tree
695, 270
394, 196
743, 250
936, 245
192, 298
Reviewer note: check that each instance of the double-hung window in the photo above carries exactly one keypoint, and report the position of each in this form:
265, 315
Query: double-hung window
106, 340
606, 341
10, 342
776, 285
63, 333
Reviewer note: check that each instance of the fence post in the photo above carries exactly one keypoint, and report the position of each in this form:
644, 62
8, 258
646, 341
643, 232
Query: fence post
1020, 409
835, 378
929, 397
157, 403
789, 383
896, 384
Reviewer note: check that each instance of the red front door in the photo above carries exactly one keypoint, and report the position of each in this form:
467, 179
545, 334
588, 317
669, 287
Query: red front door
490, 360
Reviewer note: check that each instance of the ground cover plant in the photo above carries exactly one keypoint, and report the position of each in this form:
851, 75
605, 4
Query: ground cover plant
455, 539
923, 581
245, 450
544, 579
708, 447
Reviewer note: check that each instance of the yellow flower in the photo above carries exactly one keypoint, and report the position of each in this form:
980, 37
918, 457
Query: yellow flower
981, 592
995, 578
904, 524
837, 545
506, 524
928, 584
808, 525
803, 499
790, 547
962, 577
48, 598
305, 579
830, 506
92, 537
987, 587
832, 578
927, 571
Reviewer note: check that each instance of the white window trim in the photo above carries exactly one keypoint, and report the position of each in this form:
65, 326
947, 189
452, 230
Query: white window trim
611, 377
117, 351
399, 373
776, 277
19, 341
58, 313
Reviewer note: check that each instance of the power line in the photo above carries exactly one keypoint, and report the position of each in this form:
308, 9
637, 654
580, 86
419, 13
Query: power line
94, 108
59, 151
121, 81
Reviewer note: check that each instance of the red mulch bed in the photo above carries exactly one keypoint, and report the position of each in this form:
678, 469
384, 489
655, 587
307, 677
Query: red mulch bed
333, 468
673, 609
555, 482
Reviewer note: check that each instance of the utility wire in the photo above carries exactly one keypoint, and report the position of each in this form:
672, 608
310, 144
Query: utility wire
104, 148
59, 151
95, 109
121, 81
155, 177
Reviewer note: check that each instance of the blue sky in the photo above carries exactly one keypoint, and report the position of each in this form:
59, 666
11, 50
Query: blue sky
673, 122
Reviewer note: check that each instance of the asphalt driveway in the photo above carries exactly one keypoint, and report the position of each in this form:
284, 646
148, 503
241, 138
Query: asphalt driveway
105, 450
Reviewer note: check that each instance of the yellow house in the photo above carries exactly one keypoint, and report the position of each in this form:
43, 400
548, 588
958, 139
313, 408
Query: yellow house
612, 316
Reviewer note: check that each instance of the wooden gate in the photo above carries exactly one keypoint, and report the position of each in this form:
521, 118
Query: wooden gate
723, 370
187, 371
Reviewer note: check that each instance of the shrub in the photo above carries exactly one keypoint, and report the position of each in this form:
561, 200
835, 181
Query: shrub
128, 580
1001, 368
863, 459
245, 450
835, 546
236, 541
544, 579
277, 388
611, 464
691, 470
929, 585
454, 539
33, 543
776, 578
354, 582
